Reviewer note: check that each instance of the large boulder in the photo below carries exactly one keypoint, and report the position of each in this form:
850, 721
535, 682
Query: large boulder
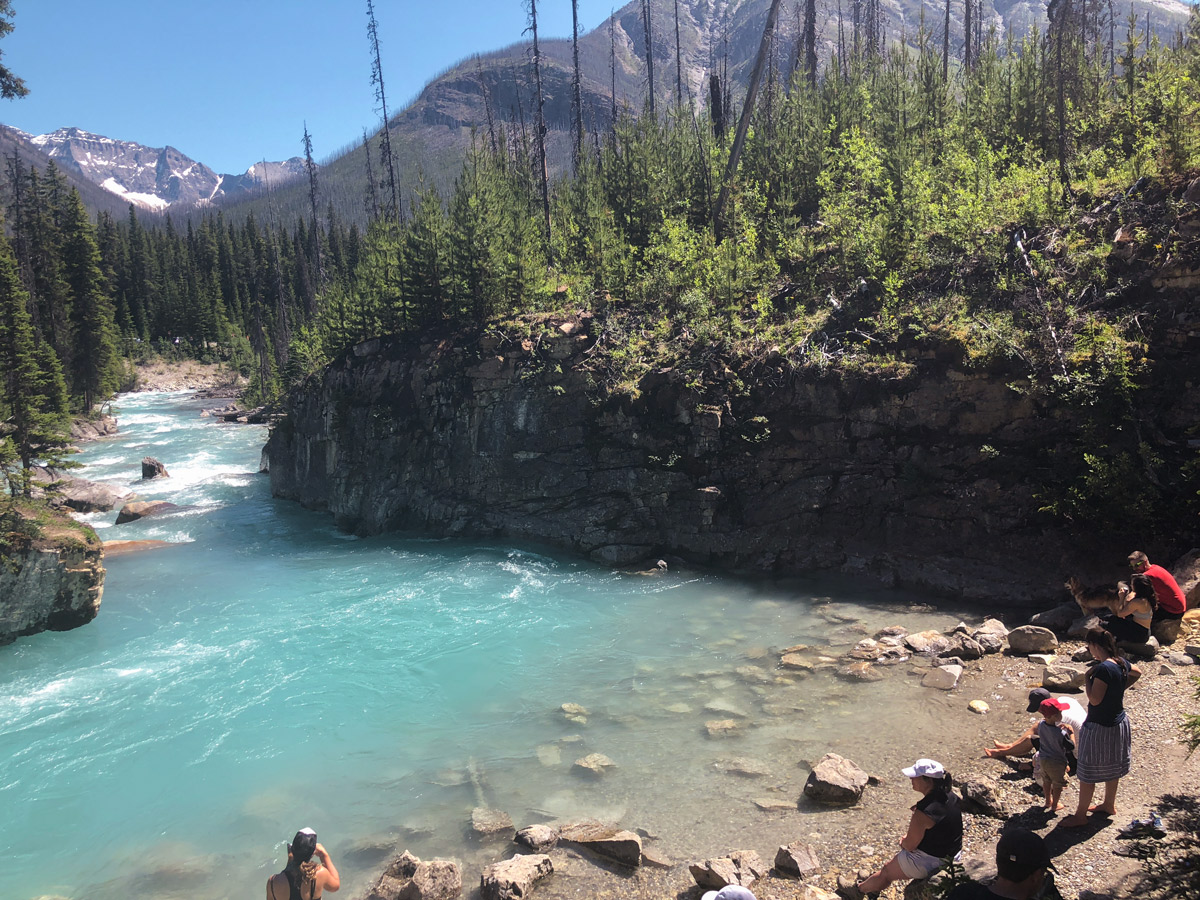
928, 643
152, 468
990, 636
621, 846
797, 860
1062, 677
1078, 629
140, 509
93, 429
408, 878
963, 646
836, 781
1031, 639
1166, 631
742, 867
82, 495
1058, 619
514, 879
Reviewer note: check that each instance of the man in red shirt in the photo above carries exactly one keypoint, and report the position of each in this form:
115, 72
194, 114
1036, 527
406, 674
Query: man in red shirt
1171, 602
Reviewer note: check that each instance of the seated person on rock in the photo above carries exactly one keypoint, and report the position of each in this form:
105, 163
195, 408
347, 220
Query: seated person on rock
1073, 717
1171, 602
935, 831
1130, 622
1023, 865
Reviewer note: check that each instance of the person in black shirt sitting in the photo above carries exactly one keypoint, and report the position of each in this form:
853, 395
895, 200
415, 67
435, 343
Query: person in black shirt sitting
1022, 871
934, 832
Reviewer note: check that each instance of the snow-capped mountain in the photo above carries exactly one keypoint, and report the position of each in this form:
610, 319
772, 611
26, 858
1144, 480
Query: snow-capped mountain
155, 178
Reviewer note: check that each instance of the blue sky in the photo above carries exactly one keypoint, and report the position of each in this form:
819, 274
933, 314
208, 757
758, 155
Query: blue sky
229, 82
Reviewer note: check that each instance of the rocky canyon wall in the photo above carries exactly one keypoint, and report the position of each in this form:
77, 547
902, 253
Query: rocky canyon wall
925, 476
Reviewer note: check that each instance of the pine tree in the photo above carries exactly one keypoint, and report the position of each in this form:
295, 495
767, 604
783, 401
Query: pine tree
95, 371
11, 86
34, 401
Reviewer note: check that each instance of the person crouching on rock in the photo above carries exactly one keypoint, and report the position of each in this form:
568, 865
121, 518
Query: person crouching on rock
934, 834
304, 878
1073, 716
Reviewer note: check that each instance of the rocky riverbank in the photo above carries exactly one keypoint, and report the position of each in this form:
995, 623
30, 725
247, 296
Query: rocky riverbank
826, 843
208, 379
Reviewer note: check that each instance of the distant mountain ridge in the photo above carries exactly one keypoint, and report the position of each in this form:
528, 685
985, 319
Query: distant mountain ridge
154, 178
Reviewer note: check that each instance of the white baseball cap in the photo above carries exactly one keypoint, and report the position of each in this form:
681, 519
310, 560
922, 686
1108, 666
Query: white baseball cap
729, 892
930, 768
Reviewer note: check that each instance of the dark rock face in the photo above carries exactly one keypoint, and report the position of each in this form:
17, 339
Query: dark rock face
771, 469
152, 468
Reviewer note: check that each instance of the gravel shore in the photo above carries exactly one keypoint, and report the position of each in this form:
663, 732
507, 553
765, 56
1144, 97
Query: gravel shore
864, 837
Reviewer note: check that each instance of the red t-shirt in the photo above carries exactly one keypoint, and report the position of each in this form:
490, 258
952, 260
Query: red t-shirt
1170, 597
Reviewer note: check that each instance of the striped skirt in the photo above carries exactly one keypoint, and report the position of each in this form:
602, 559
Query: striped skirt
1104, 751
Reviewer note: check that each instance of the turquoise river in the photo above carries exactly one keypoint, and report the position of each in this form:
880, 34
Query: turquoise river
267, 672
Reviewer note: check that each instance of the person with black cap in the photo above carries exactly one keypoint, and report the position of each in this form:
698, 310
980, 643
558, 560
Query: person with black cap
1073, 717
304, 878
1022, 867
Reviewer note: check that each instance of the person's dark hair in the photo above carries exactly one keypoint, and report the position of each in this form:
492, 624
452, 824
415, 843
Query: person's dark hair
1104, 640
302, 848
1143, 589
946, 782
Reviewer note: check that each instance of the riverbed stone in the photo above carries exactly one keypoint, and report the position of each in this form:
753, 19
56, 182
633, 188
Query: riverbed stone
409, 878
514, 879
836, 781
573, 712
594, 764
797, 860
744, 766
860, 671
721, 728
487, 822
1176, 658
654, 858
619, 845
538, 838
141, 509
978, 706
1078, 629
1031, 639
742, 867
943, 678
1166, 631
794, 662
927, 643
1063, 677
1043, 659
773, 804
152, 468
962, 646
939, 661
981, 794
1057, 619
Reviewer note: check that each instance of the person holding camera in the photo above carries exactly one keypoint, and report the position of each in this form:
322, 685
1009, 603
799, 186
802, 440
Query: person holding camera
304, 878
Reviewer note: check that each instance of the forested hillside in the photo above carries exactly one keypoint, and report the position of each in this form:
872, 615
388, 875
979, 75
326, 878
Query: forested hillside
889, 206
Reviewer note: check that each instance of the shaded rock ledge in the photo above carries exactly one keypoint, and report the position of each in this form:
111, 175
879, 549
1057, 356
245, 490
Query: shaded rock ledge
754, 466
53, 582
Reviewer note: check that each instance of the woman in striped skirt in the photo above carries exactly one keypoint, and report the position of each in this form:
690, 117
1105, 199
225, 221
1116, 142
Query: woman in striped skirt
1105, 739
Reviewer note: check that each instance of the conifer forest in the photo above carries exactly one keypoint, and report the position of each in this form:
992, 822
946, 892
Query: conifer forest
840, 212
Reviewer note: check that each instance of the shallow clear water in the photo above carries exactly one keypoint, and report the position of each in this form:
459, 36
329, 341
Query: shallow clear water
268, 672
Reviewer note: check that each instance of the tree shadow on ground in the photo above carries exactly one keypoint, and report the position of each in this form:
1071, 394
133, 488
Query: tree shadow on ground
1170, 865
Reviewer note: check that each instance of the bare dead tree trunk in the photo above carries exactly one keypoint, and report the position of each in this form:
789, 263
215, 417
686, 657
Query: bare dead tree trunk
540, 124
810, 41
372, 198
487, 108
646, 26
739, 139
968, 33
311, 168
576, 91
612, 57
841, 42
678, 60
385, 136
946, 46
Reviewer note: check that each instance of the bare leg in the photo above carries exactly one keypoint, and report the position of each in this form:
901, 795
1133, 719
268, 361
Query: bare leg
1055, 794
881, 879
1079, 818
1021, 747
1109, 805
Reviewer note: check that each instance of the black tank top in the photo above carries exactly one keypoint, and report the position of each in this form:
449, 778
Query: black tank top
294, 880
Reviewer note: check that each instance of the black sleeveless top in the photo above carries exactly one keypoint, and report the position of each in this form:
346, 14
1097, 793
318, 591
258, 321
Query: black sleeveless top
944, 837
294, 880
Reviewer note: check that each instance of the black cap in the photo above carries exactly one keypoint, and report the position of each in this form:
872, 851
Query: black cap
303, 845
1020, 853
1036, 696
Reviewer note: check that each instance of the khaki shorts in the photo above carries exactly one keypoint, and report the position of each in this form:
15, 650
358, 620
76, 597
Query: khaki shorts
917, 864
1054, 772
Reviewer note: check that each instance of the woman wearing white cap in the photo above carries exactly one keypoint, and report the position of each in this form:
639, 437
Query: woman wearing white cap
304, 878
934, 831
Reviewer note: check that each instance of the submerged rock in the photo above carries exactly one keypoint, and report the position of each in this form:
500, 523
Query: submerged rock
490, 822
538, 838
595, 764
138, 509
613, 843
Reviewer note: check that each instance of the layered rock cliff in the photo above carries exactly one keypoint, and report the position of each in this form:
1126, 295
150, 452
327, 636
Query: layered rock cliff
52, 581
929, 477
